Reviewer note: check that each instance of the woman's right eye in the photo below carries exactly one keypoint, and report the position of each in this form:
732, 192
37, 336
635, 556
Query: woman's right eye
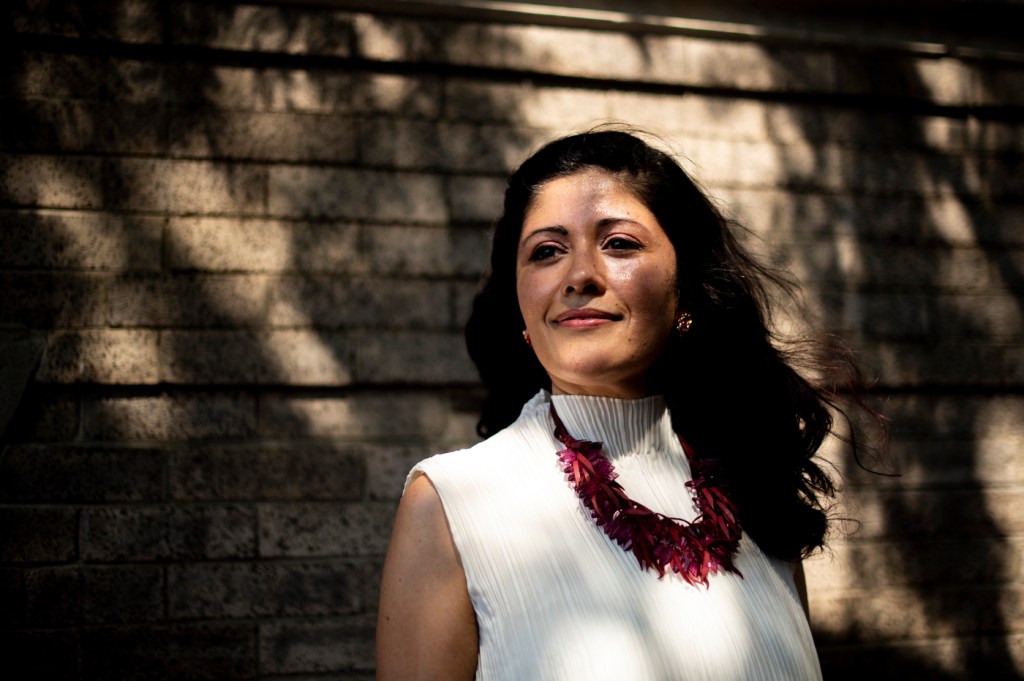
543, 252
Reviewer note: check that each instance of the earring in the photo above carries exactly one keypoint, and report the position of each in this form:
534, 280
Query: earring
683, 323
526, 337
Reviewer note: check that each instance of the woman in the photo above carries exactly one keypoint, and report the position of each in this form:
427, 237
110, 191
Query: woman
647, 490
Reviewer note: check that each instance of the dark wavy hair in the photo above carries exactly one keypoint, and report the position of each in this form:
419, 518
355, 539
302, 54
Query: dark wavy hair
733, 393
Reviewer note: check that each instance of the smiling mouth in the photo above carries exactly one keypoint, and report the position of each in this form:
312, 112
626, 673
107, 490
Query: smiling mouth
585, 317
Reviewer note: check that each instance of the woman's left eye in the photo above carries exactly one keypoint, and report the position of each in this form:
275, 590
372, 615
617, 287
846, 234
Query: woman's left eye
619, 243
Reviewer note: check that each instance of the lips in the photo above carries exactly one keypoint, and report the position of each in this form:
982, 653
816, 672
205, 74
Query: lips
585, 317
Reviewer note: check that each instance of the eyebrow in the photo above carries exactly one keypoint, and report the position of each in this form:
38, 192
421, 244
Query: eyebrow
556, 229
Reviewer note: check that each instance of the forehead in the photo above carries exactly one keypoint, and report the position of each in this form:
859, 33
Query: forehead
588, 191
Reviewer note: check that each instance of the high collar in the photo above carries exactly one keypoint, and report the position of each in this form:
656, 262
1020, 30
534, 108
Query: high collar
624, 426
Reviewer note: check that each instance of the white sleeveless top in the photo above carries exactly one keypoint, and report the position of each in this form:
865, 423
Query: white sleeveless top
556, 599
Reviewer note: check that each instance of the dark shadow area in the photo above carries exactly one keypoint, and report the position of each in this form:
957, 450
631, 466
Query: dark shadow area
940, 361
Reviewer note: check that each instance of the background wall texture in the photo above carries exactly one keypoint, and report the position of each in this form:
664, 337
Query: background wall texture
238, 243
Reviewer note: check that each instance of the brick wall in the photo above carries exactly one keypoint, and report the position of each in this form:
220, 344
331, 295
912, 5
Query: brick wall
238, 244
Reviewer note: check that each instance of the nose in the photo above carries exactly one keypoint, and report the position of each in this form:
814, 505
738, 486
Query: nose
585, 275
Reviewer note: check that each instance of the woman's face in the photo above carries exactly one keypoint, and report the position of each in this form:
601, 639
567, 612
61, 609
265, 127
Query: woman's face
596, 280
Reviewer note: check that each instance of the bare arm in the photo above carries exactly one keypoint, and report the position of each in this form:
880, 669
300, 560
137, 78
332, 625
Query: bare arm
426, 628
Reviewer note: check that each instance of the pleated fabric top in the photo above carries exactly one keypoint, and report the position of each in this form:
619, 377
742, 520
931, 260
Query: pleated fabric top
556, 599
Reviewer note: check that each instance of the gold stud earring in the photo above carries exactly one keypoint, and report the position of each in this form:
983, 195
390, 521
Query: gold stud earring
526, 337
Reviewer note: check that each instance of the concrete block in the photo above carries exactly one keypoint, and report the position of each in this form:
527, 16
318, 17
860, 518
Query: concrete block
286, 472
240, 357
58, 76
53, 597
239, 88
203, 187
560, 109
45, 300
417, 96
331, 302
83, 127
187, 300
80, 241
233, 245
51, 181
39, 535
132, 21
324, 530
369, 416
262, 136
286, 589
70, 596
123, 595
12, 598
292, 30
299, 191
49, 654
387, 469
49, 414
462, 252
413, 358
162, 653
112, 357
475, 199
149, 533
33, 473
170, 416
315, 647
948, 363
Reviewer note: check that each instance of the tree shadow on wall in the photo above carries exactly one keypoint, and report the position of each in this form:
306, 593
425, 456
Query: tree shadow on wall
266, 221
929, 199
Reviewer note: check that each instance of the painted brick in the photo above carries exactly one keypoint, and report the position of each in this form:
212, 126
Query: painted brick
315, 647
239, 357
186, 300
36, 535
413, 358
331, 302
80, 241
184, 186
286, 472
358, 194
51, 181
233, 245
220, 590
265, 136
59, 473
265, 29
146, 533
170, 417
363, 416
115, 357
308, 530
166, 653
